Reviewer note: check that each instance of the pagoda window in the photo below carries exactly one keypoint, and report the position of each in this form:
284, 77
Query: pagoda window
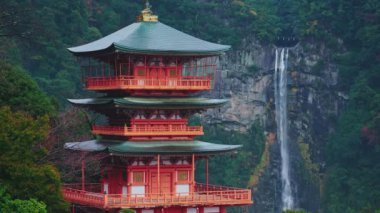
199, 67
191, 210
138, 191
124, 69
172, 73
183, 176
124, 190
105, 188
211, 210
182, 182
138, 178
138, 184
182, 189
140, 72
97, 67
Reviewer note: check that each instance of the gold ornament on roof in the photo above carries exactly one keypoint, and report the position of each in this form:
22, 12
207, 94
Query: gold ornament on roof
147, 14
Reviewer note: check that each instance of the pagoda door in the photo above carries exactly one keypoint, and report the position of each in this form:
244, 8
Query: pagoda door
157, 75
173, 75
165, 183
117, 181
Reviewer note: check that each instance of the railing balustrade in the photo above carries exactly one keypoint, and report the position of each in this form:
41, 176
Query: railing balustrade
215, 195
128, 82
148, 130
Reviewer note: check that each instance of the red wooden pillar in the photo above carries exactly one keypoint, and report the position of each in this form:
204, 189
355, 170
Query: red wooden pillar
158, 175
193, 170
222, 209
207, 174
83, 177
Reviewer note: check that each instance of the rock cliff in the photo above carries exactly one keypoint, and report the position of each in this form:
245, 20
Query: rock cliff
314, 102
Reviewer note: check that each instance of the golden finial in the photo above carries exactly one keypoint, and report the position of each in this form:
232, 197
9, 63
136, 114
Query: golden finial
147, 14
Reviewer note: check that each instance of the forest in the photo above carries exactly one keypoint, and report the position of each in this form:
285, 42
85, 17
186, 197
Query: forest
38, 74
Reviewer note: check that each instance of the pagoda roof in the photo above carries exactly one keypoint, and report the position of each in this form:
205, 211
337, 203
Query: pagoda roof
151, 103
150, 38
151, 147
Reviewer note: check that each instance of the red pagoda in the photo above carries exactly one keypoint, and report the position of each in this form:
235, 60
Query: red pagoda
149, 74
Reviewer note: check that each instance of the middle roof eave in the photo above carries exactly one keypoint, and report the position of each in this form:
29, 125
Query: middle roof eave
150, 148
162, 103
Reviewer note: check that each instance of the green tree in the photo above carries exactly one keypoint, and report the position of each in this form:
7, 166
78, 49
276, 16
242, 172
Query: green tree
22, 172
19, 91
24, 116
20, 206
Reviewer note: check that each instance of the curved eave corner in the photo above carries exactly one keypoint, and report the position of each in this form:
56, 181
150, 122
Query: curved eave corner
90, 101
109, 49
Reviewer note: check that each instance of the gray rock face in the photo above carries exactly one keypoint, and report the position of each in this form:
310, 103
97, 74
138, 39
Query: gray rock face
314, 103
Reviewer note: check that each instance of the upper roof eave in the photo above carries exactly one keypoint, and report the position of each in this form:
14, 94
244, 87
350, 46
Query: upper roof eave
150, 38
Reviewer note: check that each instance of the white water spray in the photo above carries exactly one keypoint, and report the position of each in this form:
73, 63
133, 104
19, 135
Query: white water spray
280, 88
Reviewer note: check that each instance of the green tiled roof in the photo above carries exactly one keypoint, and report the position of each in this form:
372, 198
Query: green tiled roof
150, 148
151, 38
151, 103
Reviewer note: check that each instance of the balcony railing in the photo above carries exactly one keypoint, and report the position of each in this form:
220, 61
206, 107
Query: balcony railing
149, 130
192, 83
202, 195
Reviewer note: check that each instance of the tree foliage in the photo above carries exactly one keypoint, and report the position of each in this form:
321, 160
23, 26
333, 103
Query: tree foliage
19, 91
22, 172
7, 204
24, 116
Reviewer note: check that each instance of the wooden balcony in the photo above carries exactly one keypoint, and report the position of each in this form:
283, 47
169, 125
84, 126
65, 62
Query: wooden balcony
148, 130
203, 196
193, 83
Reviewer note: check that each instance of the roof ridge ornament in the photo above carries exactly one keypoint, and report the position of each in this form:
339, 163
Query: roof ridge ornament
147, 14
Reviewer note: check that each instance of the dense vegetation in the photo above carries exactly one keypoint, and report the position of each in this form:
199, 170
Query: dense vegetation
354, 150
24, 174
34, 35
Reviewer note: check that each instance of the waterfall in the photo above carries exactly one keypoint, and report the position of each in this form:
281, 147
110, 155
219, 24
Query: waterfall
280, 87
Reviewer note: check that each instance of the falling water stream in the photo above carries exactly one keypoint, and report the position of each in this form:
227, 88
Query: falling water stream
280, 79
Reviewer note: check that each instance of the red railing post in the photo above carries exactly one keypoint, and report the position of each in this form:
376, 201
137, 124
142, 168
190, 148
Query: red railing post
83, 175
105, 201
